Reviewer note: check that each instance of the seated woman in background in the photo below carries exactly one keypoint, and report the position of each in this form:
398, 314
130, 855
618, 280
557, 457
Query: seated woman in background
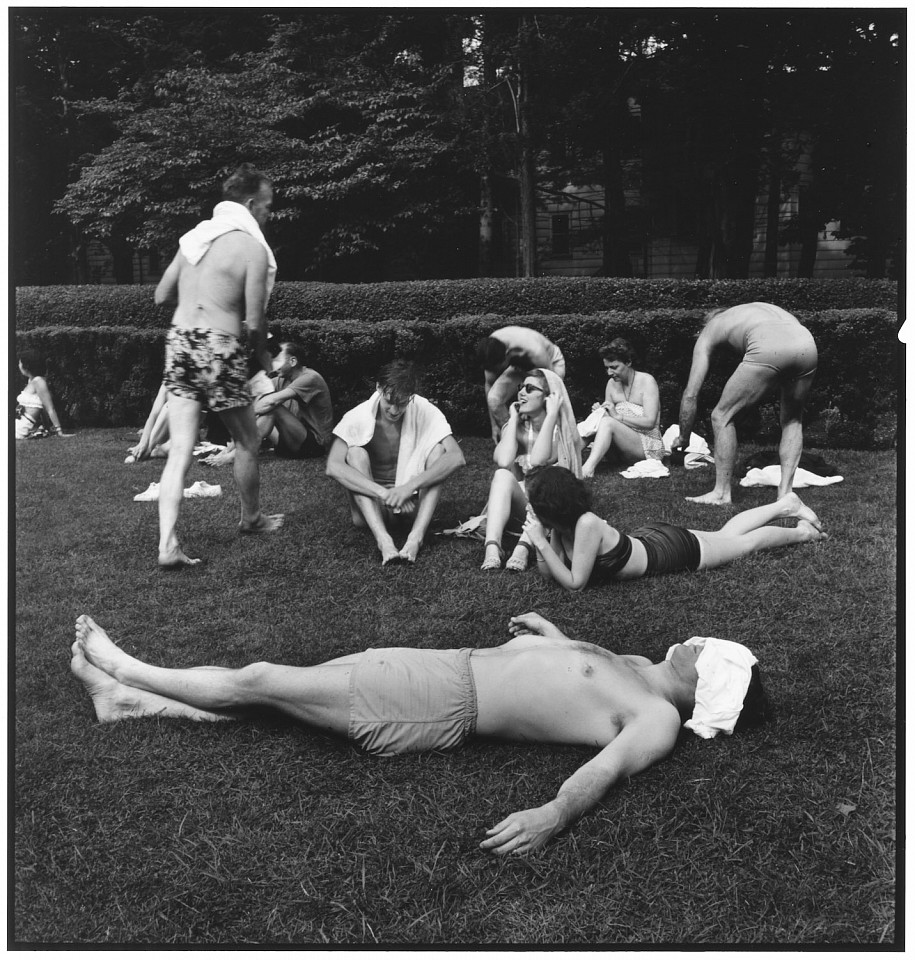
630, 425
585, 550
540, 430
35, 400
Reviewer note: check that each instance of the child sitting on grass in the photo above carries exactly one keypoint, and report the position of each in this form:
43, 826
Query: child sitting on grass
584, 550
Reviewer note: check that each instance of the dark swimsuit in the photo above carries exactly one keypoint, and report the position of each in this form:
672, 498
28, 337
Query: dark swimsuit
670, 549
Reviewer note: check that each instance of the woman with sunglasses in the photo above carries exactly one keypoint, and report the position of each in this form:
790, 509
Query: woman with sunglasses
540, 430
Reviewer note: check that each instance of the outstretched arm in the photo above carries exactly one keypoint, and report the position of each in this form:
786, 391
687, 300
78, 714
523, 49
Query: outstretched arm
640, 744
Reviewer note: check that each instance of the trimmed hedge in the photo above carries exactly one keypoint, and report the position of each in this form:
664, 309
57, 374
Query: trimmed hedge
435, 300
105, 375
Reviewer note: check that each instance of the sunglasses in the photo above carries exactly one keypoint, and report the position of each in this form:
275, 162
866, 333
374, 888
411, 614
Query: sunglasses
530, 388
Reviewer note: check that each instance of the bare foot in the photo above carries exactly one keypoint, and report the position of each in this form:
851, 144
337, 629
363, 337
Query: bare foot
177, 560
98, 648
112, 700
715, 499
266, 523
811, 533
797, 508
221, 459
410, 550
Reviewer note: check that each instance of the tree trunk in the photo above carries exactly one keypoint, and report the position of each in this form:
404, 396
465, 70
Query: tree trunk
770, 258
526, 173
490, 103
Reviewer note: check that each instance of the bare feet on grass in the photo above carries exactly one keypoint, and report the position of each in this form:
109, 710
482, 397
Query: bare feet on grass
797, 508
176, 560
713, 498
410, 550
99, 649
810, 533
111, 699
265, 523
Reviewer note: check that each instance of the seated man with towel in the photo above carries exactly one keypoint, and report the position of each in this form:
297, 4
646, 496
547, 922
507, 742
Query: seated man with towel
392, 454
539, 687
219, 284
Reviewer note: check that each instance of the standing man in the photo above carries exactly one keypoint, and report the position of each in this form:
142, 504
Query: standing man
219, 283
777, 350
391, 454
507, 355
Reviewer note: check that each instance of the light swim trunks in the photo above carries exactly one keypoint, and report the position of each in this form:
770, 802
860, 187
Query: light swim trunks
209, 366
786, 347
404, 700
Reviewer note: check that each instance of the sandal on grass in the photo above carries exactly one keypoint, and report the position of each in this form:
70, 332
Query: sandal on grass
493, 563
520, 559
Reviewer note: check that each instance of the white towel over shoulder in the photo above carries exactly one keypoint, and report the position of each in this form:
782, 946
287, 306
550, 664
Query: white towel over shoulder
424, 425
227, 216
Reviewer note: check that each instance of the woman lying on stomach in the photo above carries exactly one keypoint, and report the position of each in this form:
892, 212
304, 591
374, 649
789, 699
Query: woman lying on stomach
584, 550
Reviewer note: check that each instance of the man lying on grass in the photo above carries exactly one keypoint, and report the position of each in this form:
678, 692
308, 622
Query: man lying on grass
540, 686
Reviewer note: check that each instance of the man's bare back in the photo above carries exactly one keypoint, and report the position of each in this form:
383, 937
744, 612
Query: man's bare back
736, 325
543, 689
211, 293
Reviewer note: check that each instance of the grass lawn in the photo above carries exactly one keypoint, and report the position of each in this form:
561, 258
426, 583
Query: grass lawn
172, 832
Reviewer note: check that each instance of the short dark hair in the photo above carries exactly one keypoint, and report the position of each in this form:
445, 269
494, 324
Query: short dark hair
34, 362
245, 183
490, 353
295, 349
398, 379
756, 707
557, 496
619, 349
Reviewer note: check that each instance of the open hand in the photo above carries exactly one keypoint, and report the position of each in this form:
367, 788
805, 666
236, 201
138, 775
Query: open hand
522, 832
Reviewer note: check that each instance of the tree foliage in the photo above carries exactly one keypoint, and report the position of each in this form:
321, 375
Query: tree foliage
398, 139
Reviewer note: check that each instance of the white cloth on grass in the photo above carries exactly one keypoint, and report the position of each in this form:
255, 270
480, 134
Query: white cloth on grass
771, 476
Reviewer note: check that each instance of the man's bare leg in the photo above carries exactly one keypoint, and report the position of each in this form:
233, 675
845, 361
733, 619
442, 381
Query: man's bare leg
241, 424
793, 398
366, 511
317, 695
428, 503
183, 427
115, 701
746, 386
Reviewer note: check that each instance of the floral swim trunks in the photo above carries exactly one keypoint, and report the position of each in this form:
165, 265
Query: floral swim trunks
209, 366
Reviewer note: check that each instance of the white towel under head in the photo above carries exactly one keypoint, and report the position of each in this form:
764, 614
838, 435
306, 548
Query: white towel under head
227, 216
725, 670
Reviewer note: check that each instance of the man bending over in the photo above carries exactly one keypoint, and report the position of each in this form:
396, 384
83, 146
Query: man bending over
777, 351
507, 355
391, 454
538, 687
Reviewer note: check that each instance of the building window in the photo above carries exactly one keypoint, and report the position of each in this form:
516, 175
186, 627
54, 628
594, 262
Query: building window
560, 236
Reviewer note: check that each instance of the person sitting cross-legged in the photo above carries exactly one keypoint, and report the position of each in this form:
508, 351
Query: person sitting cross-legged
539, 687
391, 454
584, 550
